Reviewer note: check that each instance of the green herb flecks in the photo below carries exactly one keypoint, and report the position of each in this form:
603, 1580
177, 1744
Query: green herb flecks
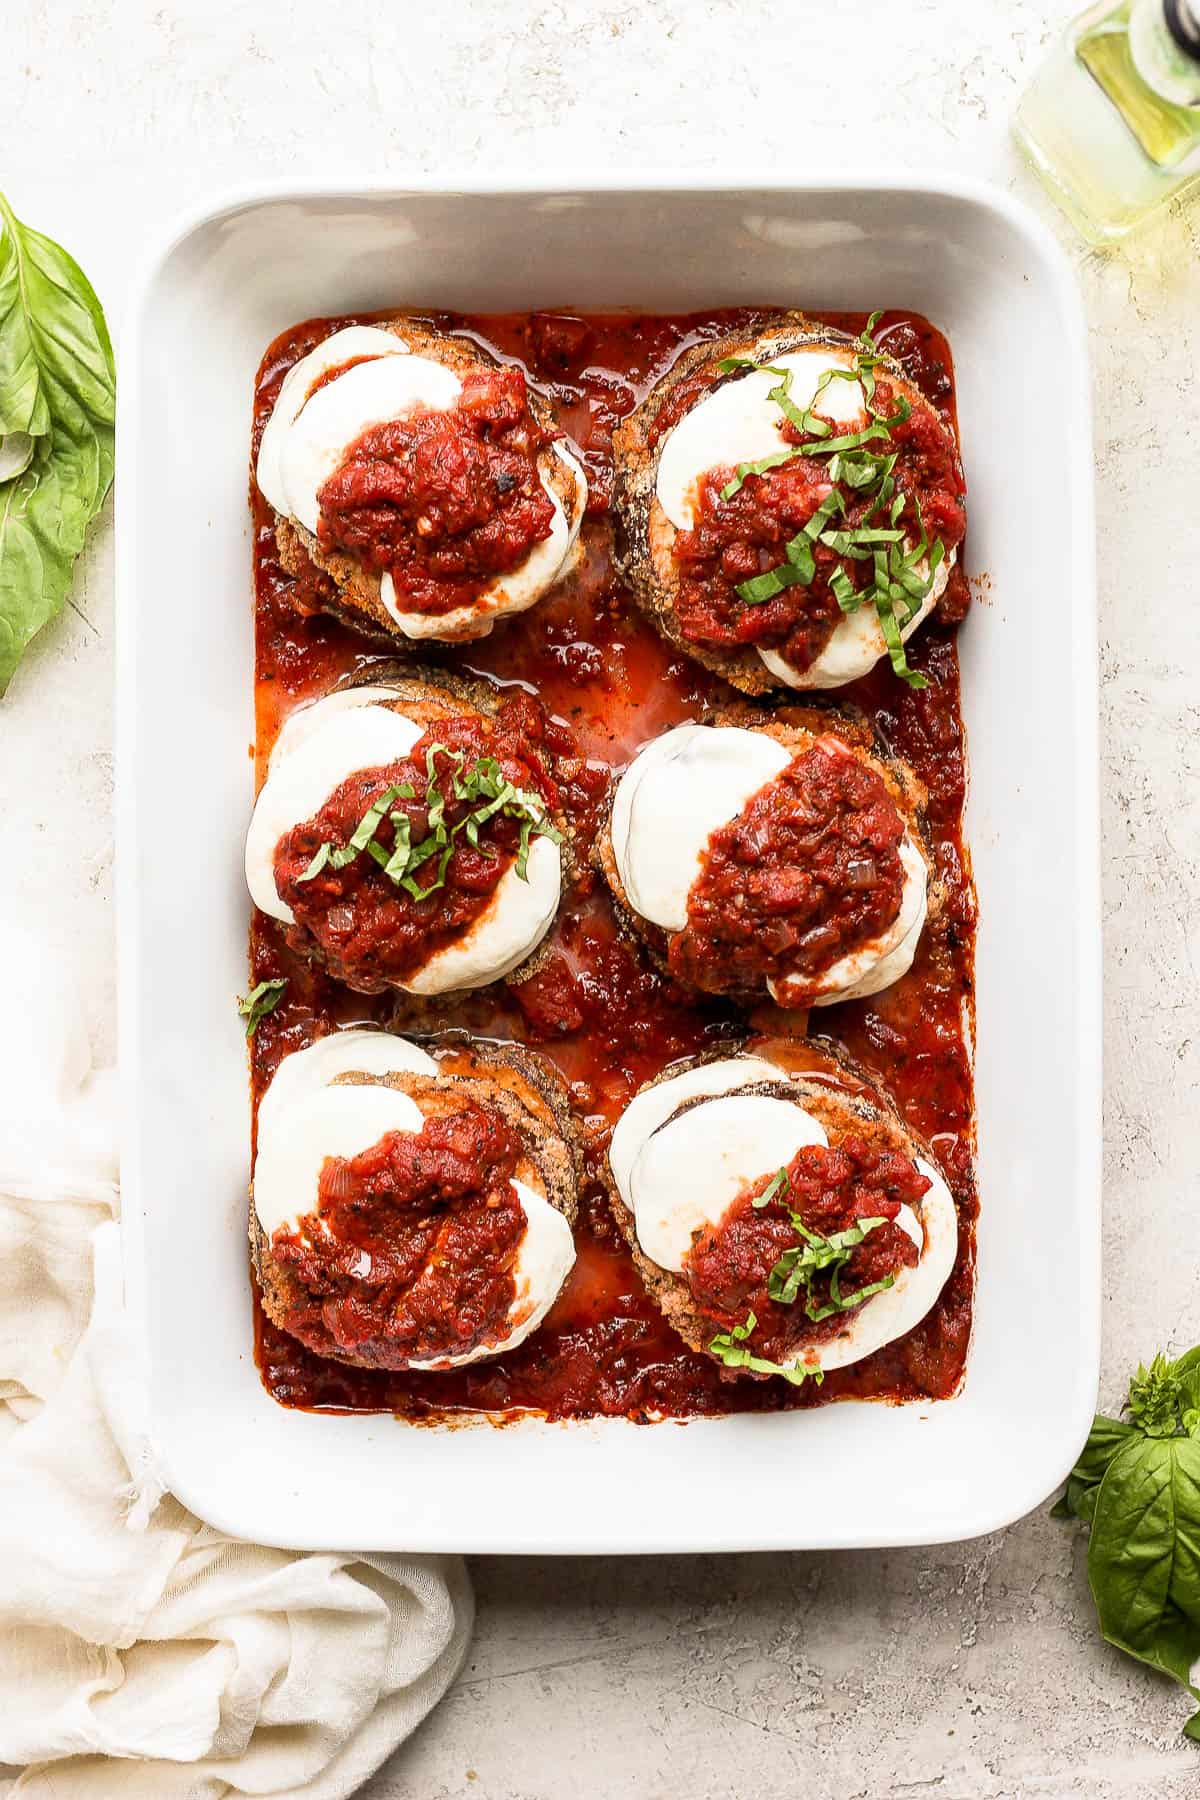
731, 1348
775, 1186
260, 1001
817, 1256
820, 1257
896, 585
1137, 1487
481, 783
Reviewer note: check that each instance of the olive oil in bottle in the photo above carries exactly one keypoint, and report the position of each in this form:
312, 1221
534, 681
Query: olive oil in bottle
1111, 122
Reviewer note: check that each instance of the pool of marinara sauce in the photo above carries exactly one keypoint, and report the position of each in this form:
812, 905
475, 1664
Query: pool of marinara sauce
601, 671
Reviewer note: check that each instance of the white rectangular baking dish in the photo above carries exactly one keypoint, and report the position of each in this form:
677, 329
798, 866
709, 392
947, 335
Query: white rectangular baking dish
206, 306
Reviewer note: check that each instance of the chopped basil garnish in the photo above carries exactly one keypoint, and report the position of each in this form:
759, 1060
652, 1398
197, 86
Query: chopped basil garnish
776, 1185
817, 1256
895, 588
260, 1001
482, 781
733, 1351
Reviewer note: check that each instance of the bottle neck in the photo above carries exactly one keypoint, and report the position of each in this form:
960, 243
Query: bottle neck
1164, 42
1183, 23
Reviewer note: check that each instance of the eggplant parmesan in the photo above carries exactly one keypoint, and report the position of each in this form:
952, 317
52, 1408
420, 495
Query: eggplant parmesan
771, 855
784, 1226
405, 837
722, 854
418, 485
406, 1214
790, 506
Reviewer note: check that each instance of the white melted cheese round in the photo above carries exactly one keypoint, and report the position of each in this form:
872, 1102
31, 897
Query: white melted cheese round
356, 342
683, 787
323, 745
303, 1120
654, 1105
675, 793
738, 423
359, 1051
680, 1171
309, 434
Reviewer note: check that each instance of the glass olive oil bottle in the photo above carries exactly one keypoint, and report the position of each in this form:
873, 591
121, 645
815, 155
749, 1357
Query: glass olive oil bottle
1112, 120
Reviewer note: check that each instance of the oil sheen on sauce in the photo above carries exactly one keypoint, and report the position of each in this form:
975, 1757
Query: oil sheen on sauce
599, 1010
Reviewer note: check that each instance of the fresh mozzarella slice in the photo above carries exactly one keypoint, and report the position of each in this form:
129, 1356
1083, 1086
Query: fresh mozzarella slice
739, 423
544, 1260
677, 791
515, 921
360, 1052
299, 726
365, 737
336, 1121
370, 393
887, 1316
655, 1105
876, 964
857, 643
512, 592
690, 1171
357, 341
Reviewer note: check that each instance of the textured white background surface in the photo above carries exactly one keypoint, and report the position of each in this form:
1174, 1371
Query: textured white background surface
968, 1671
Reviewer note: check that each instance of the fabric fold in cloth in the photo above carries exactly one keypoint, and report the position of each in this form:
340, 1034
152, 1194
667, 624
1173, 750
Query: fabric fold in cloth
128, 1629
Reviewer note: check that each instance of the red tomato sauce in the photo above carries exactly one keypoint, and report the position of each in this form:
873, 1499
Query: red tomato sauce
445, 500
808, 872
411, 1252
598, 1008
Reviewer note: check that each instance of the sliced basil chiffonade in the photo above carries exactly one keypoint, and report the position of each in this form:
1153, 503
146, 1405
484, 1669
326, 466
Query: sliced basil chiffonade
816, 1255
858, 464
481, 781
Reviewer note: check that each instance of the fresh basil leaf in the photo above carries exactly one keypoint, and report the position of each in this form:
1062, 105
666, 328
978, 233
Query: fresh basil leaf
323, 855
775, 1186
260, 1001
1106, 1437
1144, 1556
762, 467
57, 385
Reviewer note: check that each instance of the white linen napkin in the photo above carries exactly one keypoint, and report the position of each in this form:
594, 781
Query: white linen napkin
128, 1629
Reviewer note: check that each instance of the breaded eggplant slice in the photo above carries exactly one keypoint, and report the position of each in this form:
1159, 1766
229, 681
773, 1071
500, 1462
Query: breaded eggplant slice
643, 534
796, 727
531, 1097
338, 584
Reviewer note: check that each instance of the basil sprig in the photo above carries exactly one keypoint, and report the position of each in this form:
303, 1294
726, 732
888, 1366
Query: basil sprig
735, 1353
893, 586
482, 782
260, 1001
1137, 1487
57, 406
